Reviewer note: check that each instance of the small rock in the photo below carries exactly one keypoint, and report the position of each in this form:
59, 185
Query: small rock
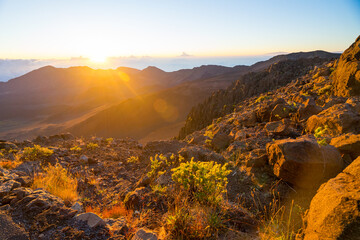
91, 219
143, 234
78, 207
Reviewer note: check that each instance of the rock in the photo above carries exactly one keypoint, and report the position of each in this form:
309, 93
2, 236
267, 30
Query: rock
133, 199
346, 76
257, 158
84, 159
28, 168
246, 119
67, 136
7, 145
280, 111
197, 139
334, 212
220, 141
303, 162
349, 143
91, 219
9, 230
200, 154
164, 147
143, 234
340, 118
280, 128
310, 108
78, 207
263, 114
117, 226
6, 187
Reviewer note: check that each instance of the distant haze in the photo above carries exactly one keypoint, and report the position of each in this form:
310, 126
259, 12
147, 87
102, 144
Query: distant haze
11, 68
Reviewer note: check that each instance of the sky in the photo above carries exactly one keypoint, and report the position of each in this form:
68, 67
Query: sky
190, 30
163, 28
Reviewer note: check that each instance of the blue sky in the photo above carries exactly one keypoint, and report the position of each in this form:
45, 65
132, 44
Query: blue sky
167, 28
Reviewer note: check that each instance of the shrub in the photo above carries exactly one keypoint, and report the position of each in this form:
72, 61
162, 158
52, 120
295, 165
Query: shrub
58, 181
203, 181
76, 149
36, 153
133, 159
157, 163
109, 140
92, 146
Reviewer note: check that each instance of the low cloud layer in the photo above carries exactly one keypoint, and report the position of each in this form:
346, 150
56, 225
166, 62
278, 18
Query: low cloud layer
11, 68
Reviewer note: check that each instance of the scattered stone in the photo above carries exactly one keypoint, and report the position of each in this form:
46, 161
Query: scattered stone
78, 206
91, 219
143, 234
348, 143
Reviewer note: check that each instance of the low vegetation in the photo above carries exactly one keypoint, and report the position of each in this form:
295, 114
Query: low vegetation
58, 181
36, 153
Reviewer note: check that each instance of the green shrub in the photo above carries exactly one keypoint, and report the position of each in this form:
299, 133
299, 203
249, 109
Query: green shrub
109, 140
157, 163
320, 131
133, 159
205, 182
36, 153
92, 146
76, 149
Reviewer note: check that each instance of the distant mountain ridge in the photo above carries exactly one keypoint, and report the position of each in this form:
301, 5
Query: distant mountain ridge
35, 100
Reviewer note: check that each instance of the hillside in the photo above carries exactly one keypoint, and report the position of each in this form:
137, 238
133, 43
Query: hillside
283, 164
141, 118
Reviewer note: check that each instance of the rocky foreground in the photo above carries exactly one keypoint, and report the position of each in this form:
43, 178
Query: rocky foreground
283, 165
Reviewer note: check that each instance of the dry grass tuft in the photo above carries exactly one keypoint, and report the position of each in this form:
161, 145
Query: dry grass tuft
58, 181
9, 164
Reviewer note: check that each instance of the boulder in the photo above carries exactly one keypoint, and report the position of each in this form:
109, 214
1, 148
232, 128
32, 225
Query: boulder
280, 111
280, 128
346, 76
143, 234
78, 206
221, 140
91, 219
164, 147
9, 230
303, 162
334, 212
200, 154
7, 145
246, 119
349, 143
310, 108
6, 187
340, 118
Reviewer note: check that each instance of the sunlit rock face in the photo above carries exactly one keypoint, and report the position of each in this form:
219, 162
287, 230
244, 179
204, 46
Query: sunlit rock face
335, 211
347, 73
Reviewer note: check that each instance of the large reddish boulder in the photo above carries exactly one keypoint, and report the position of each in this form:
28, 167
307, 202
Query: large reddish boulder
303, 162
338, 119
347, 73
334, 212
348, 144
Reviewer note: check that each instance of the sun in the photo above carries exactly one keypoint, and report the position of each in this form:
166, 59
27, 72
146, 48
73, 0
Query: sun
98, 58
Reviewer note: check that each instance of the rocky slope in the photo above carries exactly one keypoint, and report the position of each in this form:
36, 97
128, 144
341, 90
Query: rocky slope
253, 173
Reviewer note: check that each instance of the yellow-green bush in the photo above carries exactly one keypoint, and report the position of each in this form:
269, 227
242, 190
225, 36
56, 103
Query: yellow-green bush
205, 182
92, 146
36, 153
